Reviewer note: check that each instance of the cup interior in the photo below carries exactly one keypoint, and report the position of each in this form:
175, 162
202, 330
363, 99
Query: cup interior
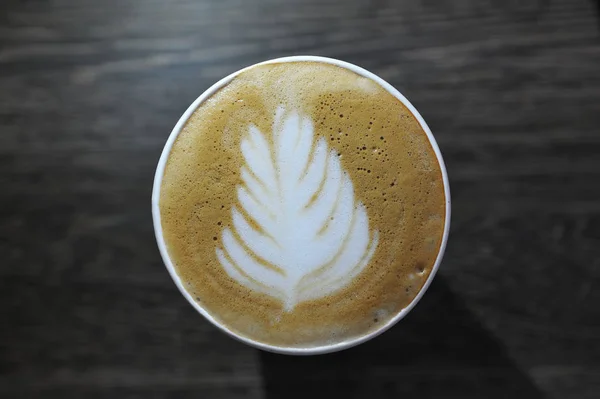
169, 264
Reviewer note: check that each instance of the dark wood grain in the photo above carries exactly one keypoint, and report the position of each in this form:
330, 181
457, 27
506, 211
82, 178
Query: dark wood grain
90, 90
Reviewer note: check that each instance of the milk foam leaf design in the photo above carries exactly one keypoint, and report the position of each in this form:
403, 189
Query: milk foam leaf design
298, 233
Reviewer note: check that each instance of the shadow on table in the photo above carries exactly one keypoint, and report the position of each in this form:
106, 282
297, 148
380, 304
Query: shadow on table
439, 350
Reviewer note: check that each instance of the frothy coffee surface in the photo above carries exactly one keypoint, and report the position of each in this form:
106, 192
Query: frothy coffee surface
302, 205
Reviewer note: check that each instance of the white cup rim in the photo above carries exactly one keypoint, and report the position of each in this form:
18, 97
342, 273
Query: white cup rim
169, 264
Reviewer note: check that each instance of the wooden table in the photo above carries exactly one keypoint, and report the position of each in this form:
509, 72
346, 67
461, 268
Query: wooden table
89, 91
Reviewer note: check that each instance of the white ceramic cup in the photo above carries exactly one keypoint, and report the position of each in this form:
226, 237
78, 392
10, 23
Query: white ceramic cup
169, 264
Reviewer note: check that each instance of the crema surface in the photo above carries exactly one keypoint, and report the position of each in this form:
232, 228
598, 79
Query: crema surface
302, 205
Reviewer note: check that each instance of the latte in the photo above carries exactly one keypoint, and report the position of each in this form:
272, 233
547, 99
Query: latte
302, 205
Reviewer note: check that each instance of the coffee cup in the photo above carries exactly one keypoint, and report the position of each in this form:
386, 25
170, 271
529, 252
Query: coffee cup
301, 205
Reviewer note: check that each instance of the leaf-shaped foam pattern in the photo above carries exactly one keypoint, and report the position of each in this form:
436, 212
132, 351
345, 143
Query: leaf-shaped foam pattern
298, 233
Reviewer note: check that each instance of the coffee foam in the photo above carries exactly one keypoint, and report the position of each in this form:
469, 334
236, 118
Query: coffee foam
394, 178
298, 233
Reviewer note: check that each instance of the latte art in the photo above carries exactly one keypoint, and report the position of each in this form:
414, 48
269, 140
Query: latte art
298, 234
301, 205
